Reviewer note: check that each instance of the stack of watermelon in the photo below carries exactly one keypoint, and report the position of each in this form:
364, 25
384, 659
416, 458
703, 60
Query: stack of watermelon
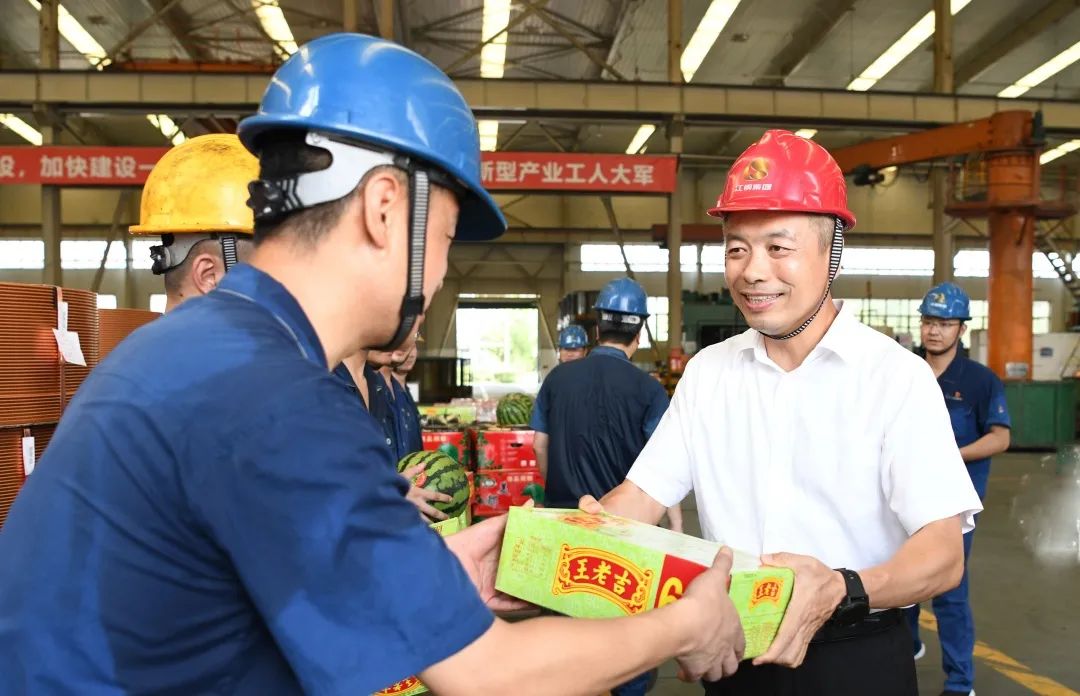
514, 409
441, 473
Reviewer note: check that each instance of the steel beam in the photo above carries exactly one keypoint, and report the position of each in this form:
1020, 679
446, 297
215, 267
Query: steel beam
804, 41
1010, 36
222, 94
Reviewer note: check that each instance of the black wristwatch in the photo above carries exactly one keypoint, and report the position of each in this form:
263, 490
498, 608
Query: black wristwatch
856, 605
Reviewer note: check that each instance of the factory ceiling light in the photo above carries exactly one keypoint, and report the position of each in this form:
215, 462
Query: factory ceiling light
21, 128
276, 27
912, 39
96, 55
1042, 73
699, 45
493, 60
1059, 151
807, 133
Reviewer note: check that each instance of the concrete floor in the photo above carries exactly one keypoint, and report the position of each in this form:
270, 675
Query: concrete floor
1027, 610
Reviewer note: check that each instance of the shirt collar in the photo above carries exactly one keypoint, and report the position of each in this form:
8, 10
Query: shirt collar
609, 351
251, 284
841, 339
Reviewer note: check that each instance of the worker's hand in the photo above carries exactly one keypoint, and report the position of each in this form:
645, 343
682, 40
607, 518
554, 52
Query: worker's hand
590, 505
477, 548
423, 498
818, 591
716, 642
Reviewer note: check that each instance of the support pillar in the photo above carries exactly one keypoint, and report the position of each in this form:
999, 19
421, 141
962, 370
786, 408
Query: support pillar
349, 19
674, 245
49, 33
944, 83
386, 19
1012, 176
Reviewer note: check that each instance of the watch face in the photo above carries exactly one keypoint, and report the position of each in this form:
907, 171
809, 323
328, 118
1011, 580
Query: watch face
852, 612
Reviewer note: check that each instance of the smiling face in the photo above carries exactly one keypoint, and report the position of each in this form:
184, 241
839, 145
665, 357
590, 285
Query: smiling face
777, 267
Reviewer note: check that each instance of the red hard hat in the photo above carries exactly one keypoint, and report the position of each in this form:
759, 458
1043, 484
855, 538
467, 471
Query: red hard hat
783, 171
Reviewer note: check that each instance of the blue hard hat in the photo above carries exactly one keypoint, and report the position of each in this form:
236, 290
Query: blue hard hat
623, 296
375, 92
573, 336
946, 301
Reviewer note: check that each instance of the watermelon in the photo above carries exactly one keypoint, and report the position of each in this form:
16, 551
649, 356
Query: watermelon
443, 474
514, 409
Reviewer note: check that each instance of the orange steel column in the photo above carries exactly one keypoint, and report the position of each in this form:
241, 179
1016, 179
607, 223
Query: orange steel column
1012, 178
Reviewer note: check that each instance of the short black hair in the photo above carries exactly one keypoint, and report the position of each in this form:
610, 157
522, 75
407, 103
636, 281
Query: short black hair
288, 154
618, 332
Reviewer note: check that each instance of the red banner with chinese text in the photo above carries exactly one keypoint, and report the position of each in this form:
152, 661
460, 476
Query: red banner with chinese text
78, 165
61, 165
568, 171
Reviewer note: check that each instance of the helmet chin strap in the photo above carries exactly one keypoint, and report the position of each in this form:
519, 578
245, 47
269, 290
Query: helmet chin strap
412, 305
836, 249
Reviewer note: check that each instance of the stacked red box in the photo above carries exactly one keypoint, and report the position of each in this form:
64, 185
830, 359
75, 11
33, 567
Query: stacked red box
497, 490
455, 443
503, 448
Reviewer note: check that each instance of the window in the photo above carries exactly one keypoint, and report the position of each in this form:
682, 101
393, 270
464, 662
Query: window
157, 303
22, 254
887, 261
86, 253
140, 253
902, 316
975, 263
643, 258
712, 258
658, 321
106, 301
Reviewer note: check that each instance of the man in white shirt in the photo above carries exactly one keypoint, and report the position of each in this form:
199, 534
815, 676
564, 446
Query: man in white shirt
812, 440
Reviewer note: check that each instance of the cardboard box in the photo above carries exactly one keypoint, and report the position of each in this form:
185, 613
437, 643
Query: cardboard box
447, 415
498, 490
503, 448
598, 566
454, 443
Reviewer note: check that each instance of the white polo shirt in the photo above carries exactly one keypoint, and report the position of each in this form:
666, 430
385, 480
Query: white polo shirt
841, 459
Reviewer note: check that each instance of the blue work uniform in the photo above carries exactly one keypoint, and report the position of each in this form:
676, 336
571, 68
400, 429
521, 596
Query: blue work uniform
598, 413
408, 418
379, 408
217, 514
975, 398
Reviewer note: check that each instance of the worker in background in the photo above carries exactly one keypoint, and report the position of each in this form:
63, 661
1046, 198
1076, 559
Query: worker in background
573, 344
975, 399
400, 370
593, 416
405, 367
195, 199
233, 522
401, 417
812, 440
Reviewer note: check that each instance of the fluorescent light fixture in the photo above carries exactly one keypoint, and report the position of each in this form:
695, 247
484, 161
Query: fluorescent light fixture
807, 133
890, 170
489, 135
640, 138
493, 60
167, 127
21, 128
273, 23
699, 45
1059, 151
95, 53
1042, 73
78, 37
900, 50
493, 55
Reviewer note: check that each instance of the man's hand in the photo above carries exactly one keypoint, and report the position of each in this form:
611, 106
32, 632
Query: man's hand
590, 505
423, 498
477, 549
717, 642
818, 591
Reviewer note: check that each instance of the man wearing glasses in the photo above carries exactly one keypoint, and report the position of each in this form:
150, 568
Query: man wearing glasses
975, 398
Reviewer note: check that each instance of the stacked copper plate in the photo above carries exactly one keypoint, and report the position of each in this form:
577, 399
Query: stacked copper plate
11, 461
116, 324
83, 319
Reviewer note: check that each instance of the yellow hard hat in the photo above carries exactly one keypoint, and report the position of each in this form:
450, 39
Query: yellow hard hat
199, 186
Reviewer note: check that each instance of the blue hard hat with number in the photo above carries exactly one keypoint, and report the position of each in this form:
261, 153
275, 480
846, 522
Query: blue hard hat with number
573, 336
946, 301
623, 296
378, 93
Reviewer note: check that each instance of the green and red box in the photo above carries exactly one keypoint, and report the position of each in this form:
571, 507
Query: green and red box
603, 566
497, 490
503, 448
455, 443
